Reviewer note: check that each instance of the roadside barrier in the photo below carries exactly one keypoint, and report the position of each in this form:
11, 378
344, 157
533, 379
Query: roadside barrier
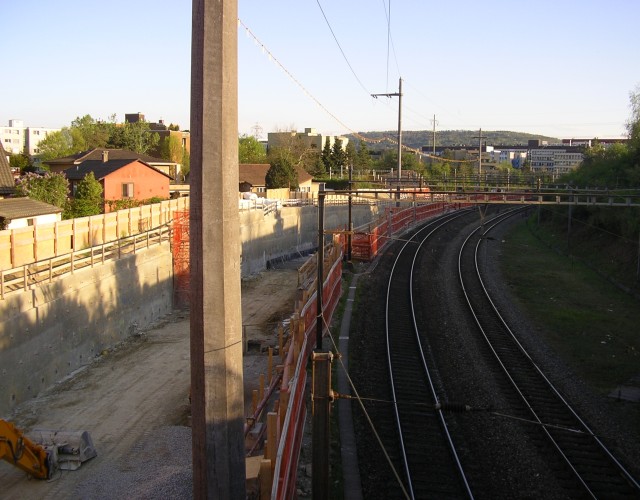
285, 423
368, 241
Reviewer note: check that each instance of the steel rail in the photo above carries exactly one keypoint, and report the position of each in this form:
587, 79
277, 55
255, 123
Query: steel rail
535, 405
414, 245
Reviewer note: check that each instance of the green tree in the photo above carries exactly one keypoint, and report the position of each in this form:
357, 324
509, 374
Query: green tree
136, 137
57, 145
351, 154
633, 126
389, 160
281, 173
171, 149
89, 133
52, 188
327, 157
250, 150
316, 168
186, 164
338, 154
85, 133
88, 198
363, 160
19, 161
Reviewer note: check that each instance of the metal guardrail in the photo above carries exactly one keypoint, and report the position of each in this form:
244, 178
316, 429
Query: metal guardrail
47, 270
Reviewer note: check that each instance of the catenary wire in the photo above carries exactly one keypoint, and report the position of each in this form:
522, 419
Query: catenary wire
341, 51
321, 106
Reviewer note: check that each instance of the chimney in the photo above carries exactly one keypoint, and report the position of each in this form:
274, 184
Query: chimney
105, 155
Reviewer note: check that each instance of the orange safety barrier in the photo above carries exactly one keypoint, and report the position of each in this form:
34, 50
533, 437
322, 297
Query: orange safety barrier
294, 379
366, 245
180, 250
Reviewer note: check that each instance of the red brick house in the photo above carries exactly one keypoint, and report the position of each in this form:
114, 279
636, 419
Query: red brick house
122, 179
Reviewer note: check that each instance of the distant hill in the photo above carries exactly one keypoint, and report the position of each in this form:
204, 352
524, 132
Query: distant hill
418, 138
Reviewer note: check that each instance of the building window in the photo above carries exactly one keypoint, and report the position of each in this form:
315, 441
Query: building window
127, 190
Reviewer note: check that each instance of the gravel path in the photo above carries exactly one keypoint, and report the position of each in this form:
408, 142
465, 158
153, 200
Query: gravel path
134, 401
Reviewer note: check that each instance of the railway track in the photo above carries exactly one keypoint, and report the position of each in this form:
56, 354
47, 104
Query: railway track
430, 463
436, 353
584, 466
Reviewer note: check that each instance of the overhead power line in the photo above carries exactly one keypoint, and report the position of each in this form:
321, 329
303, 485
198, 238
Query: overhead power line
321, 106
390, 40
342, 51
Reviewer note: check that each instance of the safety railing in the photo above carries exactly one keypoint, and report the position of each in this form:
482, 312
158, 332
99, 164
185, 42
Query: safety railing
47, 270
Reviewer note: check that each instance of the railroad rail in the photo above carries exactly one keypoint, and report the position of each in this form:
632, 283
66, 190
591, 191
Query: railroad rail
583, 464
427, 451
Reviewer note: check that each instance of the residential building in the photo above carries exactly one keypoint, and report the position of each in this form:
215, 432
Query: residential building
555, 160
183, 136
516, 156
23, 212
252, 178
7, 182
12, 137
310, 138
592, 142
33, 137
170, 168
122, 179
17, 139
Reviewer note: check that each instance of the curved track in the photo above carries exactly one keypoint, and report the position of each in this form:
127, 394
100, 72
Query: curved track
582, 463
431, 465
449, 455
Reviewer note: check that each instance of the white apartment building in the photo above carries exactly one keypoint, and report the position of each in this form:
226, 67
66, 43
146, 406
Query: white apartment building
13, 137
555, 160
515, 157
16, 138
310, 137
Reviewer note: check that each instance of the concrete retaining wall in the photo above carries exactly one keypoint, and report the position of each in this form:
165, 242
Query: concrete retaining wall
50, 331
283, 233
55, 329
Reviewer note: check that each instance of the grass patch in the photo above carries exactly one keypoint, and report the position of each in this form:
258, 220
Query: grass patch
591, 323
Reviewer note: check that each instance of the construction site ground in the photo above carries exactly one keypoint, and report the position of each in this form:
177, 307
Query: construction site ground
134, 402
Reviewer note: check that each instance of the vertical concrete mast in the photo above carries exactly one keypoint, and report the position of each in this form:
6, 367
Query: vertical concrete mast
216, 318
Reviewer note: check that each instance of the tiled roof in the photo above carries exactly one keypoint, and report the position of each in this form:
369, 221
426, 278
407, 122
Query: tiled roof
101, 169
7, 183
114, 154
20, 208
255, 173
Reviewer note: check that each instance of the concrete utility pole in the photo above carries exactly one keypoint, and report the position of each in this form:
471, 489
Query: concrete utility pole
480, 137
217, 401
321, 405
434, 135
399, 96
320, 269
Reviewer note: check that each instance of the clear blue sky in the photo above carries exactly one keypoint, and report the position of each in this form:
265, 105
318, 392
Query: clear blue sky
562, 68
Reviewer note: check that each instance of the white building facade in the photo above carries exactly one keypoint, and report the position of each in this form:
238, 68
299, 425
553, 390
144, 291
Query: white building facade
555, 160
17, 139
310, 138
